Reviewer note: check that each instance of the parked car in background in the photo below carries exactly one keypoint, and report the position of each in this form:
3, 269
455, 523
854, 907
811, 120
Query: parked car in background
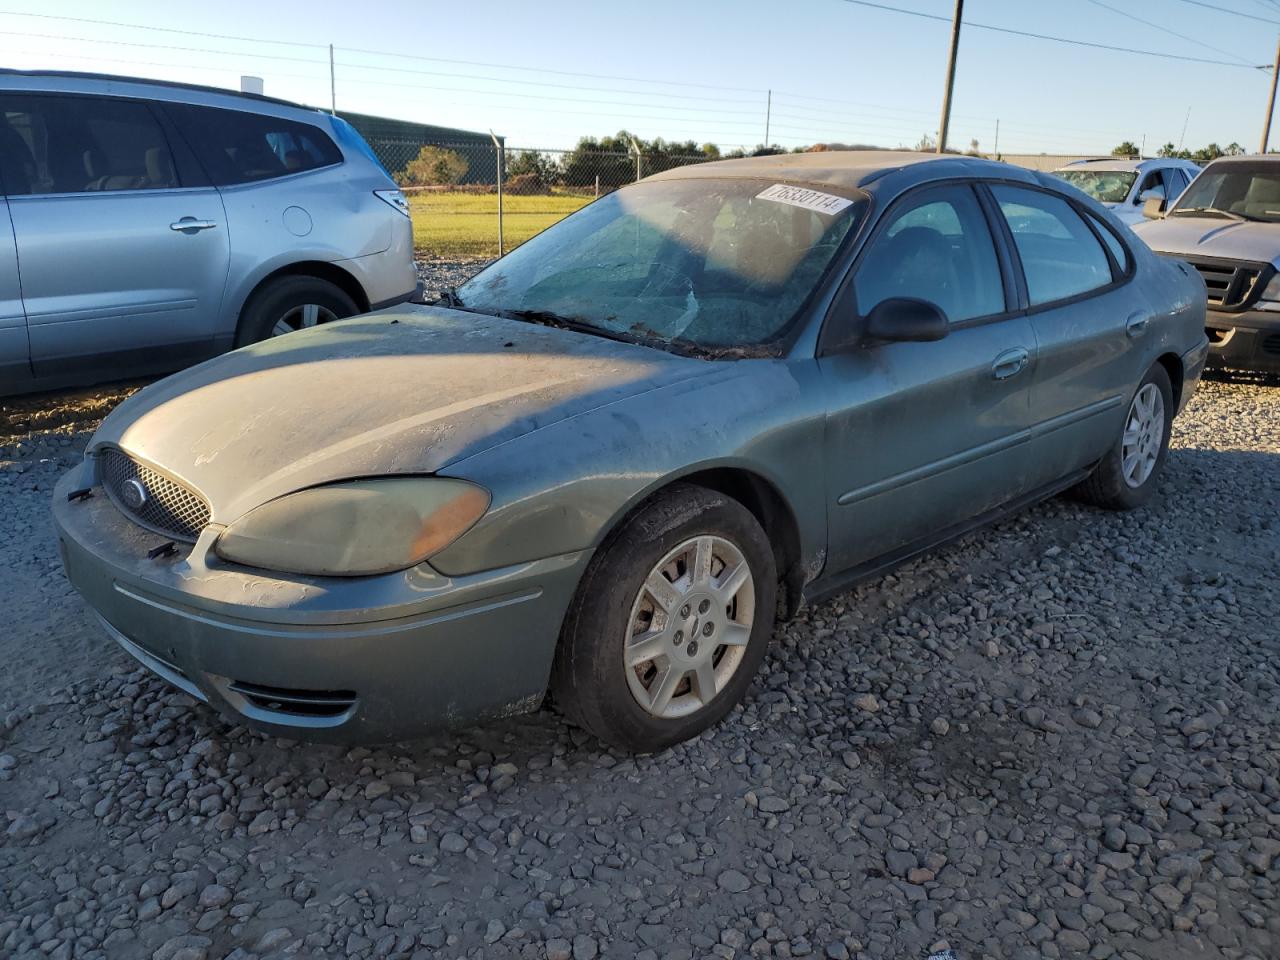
607, 460
1123, 186
1227, 226
148, 225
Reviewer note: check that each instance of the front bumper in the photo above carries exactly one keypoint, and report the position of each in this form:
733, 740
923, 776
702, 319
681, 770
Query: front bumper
345, 660
1249, 340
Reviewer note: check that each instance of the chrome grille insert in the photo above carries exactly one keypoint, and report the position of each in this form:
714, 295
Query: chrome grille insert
151, 499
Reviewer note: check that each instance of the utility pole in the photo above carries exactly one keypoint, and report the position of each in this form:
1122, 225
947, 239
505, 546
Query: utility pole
951, 78
997, 149
1271, 103
768, 113
1142, 151
333, 86
1183, 139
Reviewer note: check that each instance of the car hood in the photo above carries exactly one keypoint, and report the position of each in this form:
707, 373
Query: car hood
404, 391
1213, 237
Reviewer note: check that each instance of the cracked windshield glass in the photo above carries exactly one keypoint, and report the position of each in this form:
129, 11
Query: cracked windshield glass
1105, 186
707, 264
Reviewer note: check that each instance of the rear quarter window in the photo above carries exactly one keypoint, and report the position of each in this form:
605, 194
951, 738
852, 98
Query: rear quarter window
237, 146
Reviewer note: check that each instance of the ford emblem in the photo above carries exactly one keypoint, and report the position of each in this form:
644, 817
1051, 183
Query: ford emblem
134, 494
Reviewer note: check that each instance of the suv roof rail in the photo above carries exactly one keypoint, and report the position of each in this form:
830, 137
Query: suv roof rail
175, 84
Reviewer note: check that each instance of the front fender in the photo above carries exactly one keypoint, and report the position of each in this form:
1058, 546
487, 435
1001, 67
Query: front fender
563, 488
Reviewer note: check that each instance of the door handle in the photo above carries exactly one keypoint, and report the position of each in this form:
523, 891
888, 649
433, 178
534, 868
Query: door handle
1137, 324
192, 224
1009, 364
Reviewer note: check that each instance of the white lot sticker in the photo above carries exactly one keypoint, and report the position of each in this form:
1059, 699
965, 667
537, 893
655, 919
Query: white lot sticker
803, 197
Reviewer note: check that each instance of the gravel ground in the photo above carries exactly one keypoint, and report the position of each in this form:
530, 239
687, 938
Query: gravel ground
1057, 738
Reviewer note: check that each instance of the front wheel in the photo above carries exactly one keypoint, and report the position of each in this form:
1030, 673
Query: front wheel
1128, 474
670, 622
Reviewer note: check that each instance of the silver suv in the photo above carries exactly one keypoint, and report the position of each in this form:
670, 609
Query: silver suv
149, 225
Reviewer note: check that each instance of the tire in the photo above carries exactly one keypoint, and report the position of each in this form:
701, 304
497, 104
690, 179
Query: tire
1109, 486
591, 682
275, 302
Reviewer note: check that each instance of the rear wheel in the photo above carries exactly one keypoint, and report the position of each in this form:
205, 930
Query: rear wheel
670, 623
292, 303
1128, 474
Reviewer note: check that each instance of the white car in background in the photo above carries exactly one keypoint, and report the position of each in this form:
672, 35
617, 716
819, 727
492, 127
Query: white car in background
1125, 185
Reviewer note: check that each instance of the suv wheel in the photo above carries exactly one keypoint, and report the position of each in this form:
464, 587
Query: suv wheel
289, 304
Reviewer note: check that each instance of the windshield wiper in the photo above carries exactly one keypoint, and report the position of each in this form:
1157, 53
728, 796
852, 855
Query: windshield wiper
1229, 214
548, 318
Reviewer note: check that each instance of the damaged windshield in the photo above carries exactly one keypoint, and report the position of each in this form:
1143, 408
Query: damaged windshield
706, 264
1105, 186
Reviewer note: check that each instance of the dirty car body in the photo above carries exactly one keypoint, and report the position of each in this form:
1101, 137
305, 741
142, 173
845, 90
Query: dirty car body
558, 422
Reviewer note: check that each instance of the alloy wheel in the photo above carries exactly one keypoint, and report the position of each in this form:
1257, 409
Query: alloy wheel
689, 627
1143, 435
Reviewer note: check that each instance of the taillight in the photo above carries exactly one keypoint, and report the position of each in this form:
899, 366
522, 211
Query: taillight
395, 198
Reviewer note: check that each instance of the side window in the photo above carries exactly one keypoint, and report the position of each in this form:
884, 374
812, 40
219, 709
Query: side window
57, 144
1060, 255
1175, 181
1155, 180
937, 247
1118, 250
241, 147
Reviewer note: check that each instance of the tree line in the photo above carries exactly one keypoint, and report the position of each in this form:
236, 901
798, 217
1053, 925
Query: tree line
1201, 156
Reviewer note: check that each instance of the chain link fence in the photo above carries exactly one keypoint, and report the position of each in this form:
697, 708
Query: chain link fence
479, 198
476, 198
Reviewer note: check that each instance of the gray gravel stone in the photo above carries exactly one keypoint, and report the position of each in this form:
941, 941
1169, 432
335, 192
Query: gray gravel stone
977, 805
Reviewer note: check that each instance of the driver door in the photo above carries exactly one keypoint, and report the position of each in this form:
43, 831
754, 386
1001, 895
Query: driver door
923, 437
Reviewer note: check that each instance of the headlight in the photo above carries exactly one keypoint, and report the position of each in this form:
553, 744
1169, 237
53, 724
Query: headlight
1272, 290
355, 528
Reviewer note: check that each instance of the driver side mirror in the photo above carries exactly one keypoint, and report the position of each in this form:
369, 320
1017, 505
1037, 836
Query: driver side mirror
906, 319
1153, 207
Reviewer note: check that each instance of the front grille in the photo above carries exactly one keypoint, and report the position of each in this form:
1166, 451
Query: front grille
1271, 344
152, 499
1231, 284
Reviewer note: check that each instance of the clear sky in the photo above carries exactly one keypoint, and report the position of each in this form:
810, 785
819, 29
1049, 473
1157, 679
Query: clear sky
700, 69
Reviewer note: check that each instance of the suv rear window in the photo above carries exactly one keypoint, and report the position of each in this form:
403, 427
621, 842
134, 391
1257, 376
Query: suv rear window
62, 144
240, 147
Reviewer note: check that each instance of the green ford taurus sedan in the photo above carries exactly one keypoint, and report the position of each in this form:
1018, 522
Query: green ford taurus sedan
606, 464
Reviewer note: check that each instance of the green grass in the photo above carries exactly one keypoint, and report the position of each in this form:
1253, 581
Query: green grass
466, 224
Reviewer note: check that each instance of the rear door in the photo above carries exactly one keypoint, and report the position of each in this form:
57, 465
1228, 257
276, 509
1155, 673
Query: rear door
1087, 319
123, 263
15, 352
922, 437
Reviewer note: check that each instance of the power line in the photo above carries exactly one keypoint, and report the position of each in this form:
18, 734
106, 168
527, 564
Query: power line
162, 46
537, 83
1045, 36
378, 53
1174, 33
1234, 13
144, 26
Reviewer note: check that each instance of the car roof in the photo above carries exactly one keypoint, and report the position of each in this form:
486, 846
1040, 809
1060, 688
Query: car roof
1248, 158
849, 169
1127, 165
70, 81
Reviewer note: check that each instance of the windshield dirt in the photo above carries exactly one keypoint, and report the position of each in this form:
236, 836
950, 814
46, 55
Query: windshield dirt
1105, 186
1243, 191
706, 265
